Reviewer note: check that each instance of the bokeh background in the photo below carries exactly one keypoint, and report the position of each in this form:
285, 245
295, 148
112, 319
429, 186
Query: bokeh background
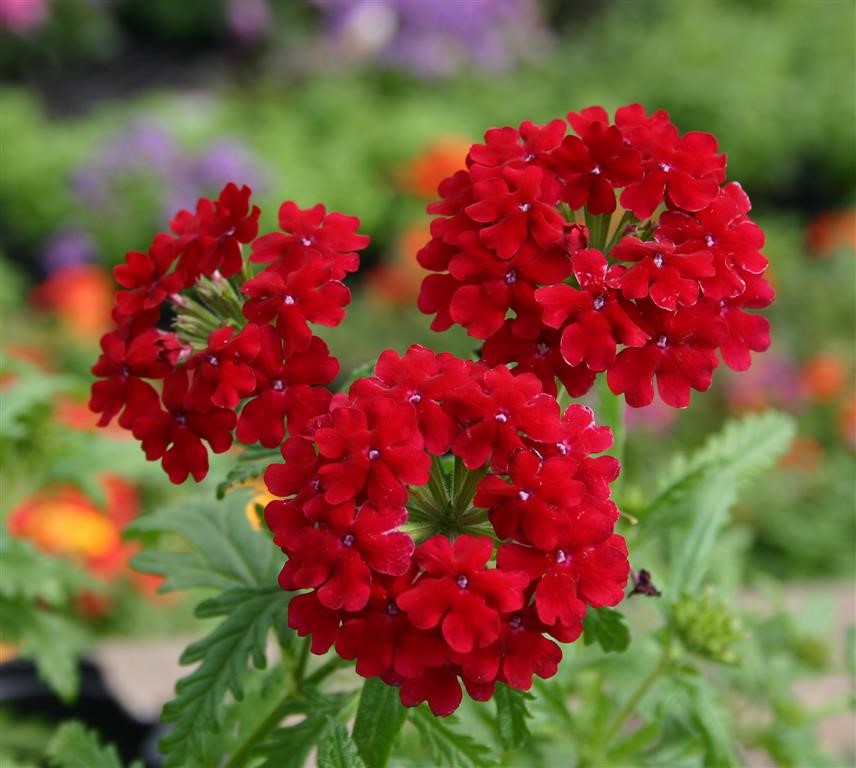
116, 113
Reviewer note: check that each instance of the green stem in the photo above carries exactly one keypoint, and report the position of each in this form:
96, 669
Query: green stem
636, 697
616, 236
300, 667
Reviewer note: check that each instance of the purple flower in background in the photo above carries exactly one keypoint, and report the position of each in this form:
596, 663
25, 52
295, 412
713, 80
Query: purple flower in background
249, 20
436, 37
773, 381
23, 16
67, 248
144, 158
657, 417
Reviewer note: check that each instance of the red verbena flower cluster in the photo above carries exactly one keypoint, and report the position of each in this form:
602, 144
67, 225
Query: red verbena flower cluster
528, 258
238, 341
449, 523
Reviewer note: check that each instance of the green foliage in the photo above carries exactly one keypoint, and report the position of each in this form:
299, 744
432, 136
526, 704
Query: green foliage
289, 747
221, 548
34, 591
606, 627
511, 716
75, 746
223, 653
339, 749
699, 490
251, 464
447, 746
706, 626
380, 717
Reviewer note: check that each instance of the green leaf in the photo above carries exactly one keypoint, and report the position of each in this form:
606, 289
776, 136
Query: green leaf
251, 463
75, 746
223, 654
606, 627
289, 747
511, 715
610, 413
380, 717
225, 551
699, 491
339, 749
30, 575
51, 640
743, 449
447, 746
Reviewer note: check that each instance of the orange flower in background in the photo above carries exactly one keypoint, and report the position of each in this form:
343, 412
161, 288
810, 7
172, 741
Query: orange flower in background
81, 296
830, 231
62, 520
398, 282
439, 160
805, 454
824, 377
76, 414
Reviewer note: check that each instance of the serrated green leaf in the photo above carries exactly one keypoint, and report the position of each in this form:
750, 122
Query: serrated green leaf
743, 449
251, 464
511, 716
606, 627
339, 749
289, 747
75, 746
447, 746
52, 641
30, 575
380, 717
225, 551
224, 654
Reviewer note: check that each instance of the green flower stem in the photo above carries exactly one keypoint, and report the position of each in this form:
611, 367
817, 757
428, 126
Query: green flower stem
614, 726
619, 230
285, 705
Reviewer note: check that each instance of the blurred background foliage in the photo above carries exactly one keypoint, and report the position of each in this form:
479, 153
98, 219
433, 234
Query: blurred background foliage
116, 113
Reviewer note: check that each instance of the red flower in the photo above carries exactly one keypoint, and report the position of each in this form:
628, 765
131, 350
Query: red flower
540, 356
684, 171
507, 146
669, 275
383, 640
593, 320
583, 569
312, 234
147, 278
294, 299
498, 409
176, 434
458, 594
339, 557
284, 390
223, 373
516, 206
489, 287
593, 166
211, 238
530, 507
376, 449
680, 353
421, 377
125, 362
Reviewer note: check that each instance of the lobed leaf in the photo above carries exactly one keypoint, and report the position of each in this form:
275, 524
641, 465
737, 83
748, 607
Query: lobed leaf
224, 550
339, 749
447, 746
224, 654
75, 746
606, 627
